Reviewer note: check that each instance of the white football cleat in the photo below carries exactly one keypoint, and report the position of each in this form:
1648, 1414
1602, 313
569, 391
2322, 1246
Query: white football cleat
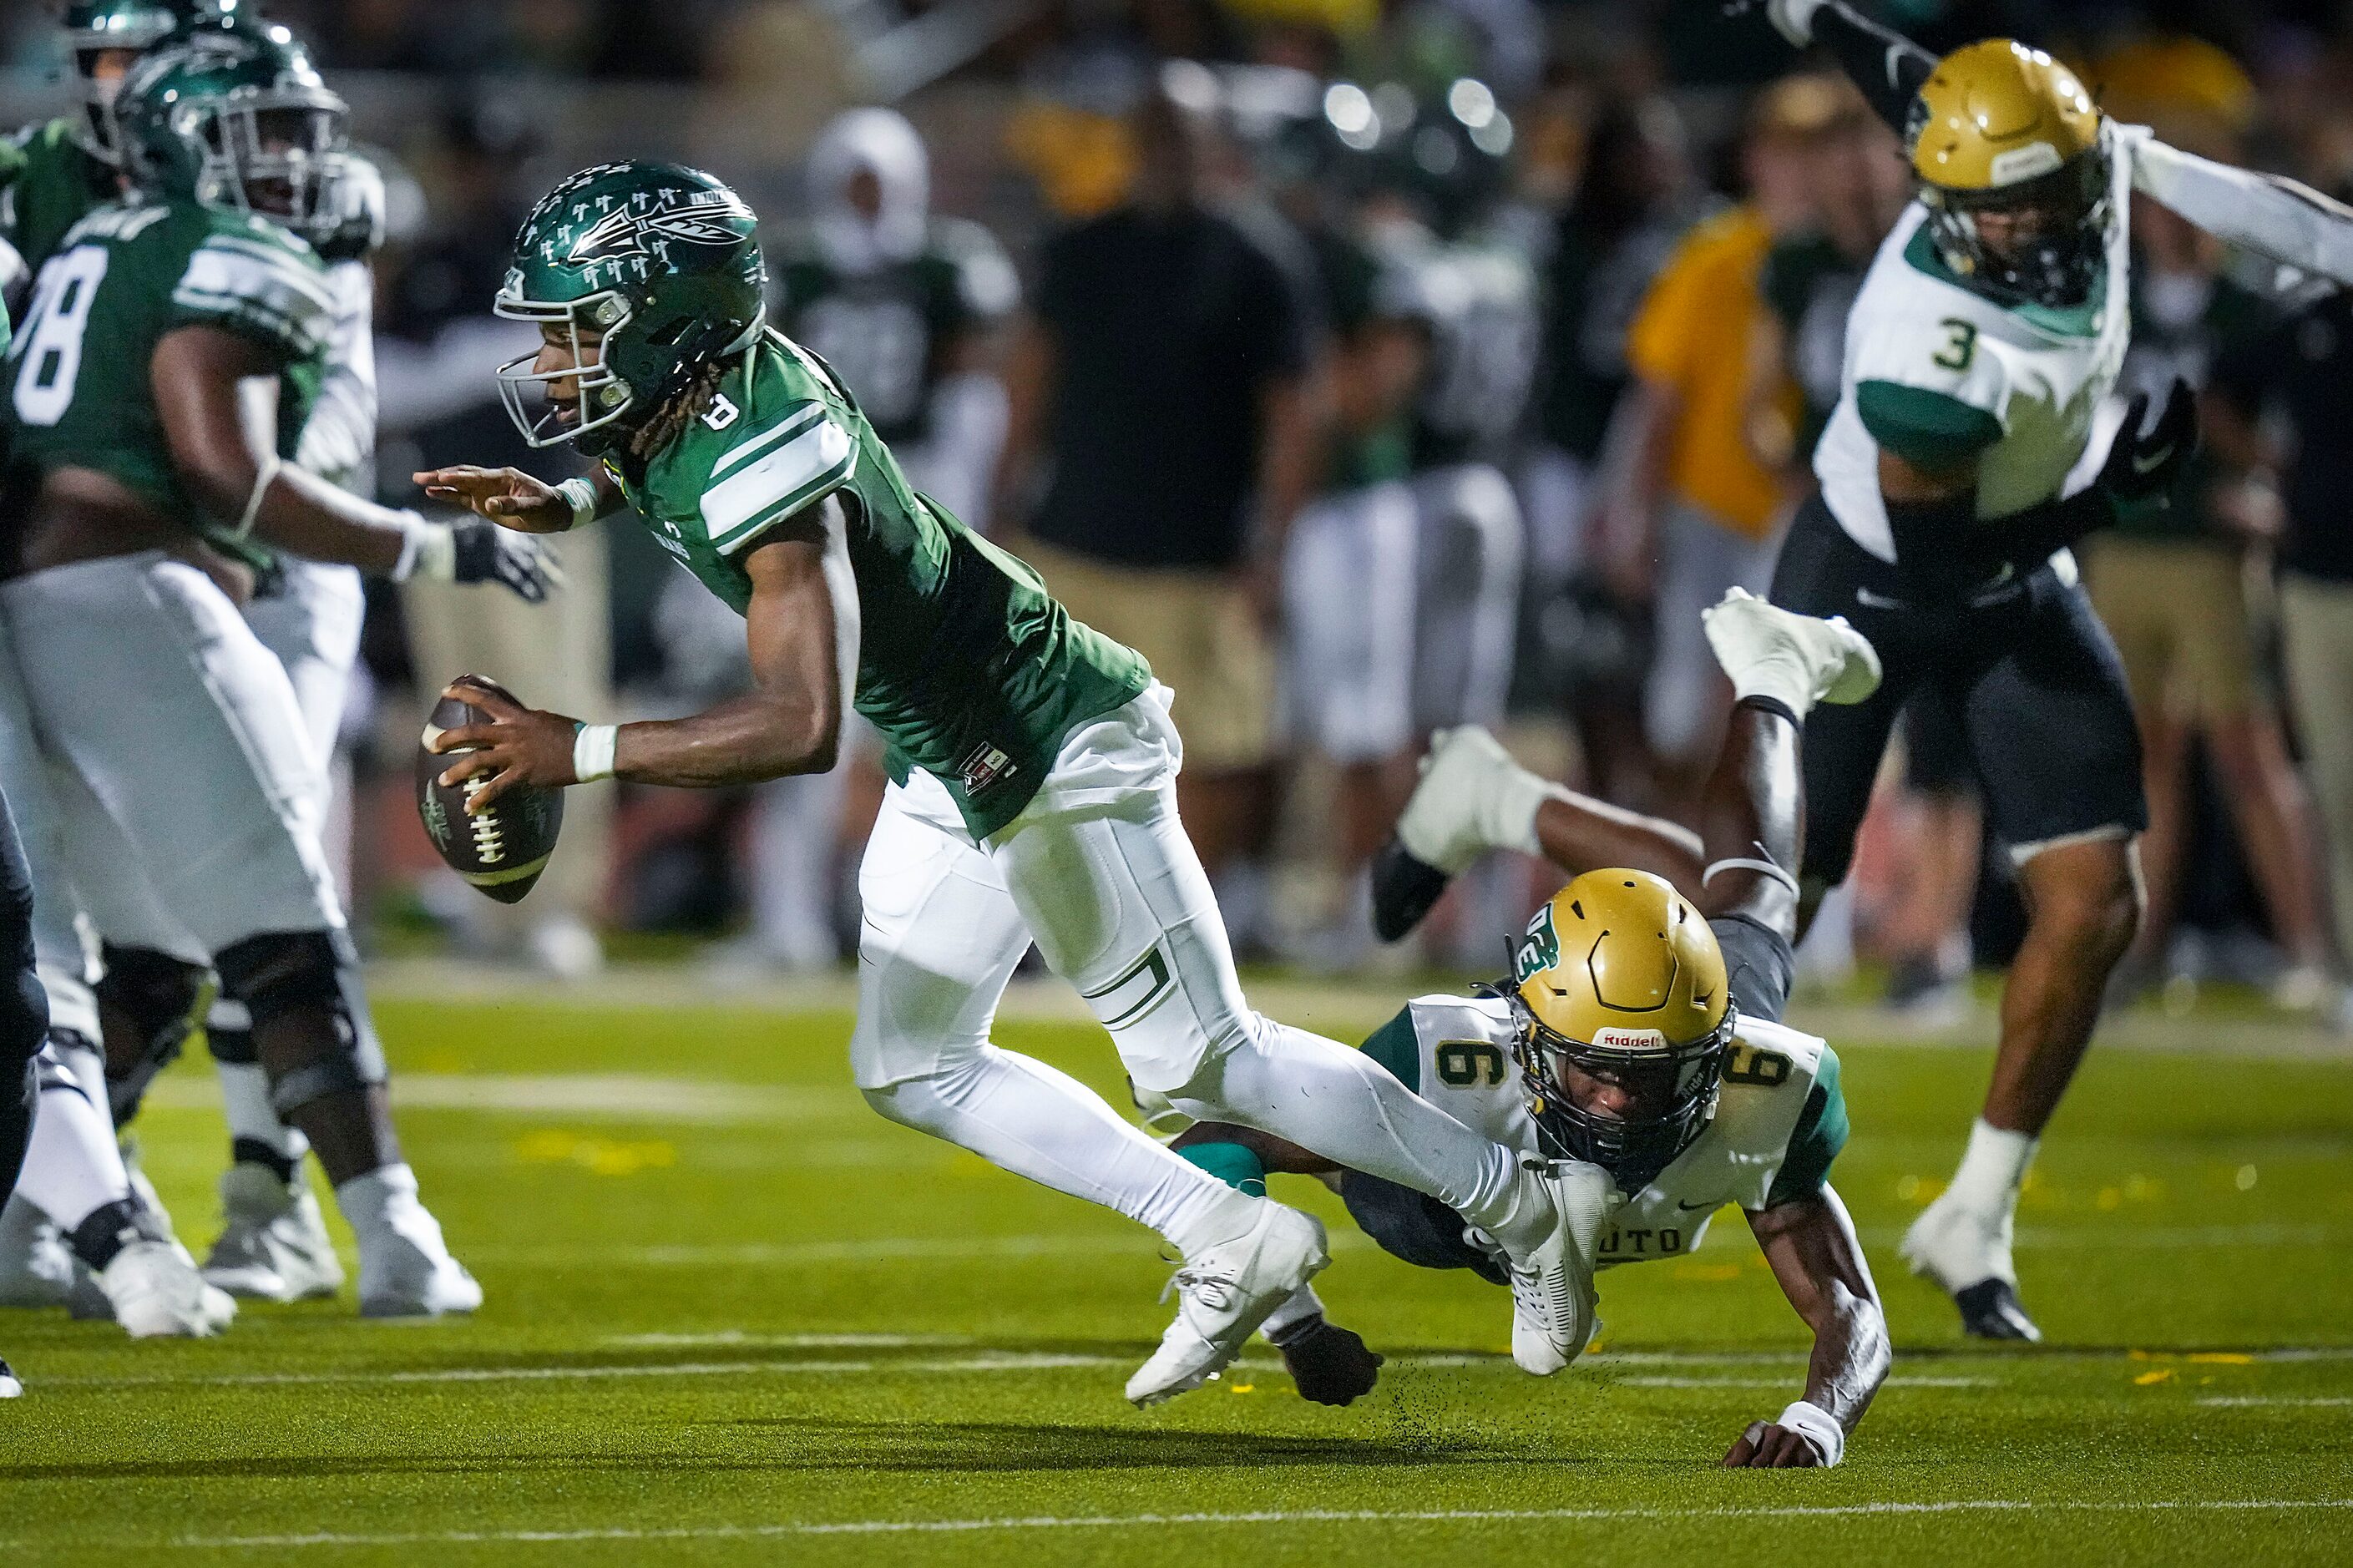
1223, 1293
1553, 1300
1967, 1253
405, 1271
1448, 823
9, 1387
274, 1245
1801, 659
37, 1269
157, 1293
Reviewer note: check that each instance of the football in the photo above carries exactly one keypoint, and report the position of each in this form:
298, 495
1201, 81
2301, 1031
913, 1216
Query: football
502, 851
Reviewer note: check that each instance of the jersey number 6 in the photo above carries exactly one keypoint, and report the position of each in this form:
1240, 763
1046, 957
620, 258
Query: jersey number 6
1462, 1063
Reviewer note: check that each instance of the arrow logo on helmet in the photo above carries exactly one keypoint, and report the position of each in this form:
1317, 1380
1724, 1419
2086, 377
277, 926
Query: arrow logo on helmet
623, 232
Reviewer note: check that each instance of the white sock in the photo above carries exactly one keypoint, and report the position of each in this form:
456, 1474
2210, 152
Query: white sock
71, 1167
383, 1199
1507, 817
1991, 1169
1343, 1105
245, 1097
1022, 1116
1300, 1304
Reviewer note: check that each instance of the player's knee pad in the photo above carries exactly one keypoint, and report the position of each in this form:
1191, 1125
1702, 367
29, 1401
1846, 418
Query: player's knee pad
149, 999
280, 973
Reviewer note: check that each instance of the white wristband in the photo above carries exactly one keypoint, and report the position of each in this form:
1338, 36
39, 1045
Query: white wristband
1818, 1426
592, 751
580, 495
430, 551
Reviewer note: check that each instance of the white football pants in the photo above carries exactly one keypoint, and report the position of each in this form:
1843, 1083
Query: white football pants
156, 704
1097, 870
1349, 566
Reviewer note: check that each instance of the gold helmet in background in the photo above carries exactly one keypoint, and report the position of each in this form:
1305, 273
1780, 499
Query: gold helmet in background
1619, 994
2014, 162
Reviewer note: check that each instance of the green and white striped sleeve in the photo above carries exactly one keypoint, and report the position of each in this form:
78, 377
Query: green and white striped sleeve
258, 289
780, 471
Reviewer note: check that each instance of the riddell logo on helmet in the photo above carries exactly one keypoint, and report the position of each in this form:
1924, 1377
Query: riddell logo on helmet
2021, 163
1619, 1039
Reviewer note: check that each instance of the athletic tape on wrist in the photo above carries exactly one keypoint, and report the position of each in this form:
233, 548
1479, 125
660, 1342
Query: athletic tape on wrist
592, 751
580, 495
1818, 1426
262, 480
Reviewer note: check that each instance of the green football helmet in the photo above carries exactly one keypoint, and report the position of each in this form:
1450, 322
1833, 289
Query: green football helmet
238, 120
657, 265
97, 28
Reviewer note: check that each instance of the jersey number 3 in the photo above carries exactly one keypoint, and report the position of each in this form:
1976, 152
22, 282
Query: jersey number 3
1961, 350
49, 363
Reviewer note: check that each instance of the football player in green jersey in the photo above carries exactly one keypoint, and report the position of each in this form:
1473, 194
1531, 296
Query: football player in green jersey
1631, 1032
53, 172
1034, 766
142, 463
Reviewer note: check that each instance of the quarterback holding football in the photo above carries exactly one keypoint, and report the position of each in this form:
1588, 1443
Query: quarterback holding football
1033, 764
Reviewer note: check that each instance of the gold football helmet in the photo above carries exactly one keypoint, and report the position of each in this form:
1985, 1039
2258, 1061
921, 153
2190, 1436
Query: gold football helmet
1619, 993
2012, 158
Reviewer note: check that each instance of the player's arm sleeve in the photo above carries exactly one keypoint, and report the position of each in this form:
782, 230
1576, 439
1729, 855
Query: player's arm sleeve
775, 474
1888, 67
2274, 216
274, 297
1396, 1046
1821, 1133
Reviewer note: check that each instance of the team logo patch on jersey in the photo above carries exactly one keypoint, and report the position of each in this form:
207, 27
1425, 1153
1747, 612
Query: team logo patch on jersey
625, 232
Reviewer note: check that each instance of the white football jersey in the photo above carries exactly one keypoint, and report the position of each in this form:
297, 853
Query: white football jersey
2042, 374
1465, 1066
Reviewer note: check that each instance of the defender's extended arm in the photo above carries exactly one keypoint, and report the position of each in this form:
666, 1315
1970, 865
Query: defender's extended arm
1888, 67
1815, 1255
2270, 215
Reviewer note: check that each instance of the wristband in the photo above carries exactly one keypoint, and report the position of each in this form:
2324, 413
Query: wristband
429, 551
580, 495
592, 751
1818, 1426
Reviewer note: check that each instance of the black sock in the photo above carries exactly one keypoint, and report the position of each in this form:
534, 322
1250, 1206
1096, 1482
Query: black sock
109, 1228
254, 1151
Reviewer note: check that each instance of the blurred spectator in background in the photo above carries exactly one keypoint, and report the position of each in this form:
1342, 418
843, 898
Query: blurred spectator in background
1635, 196
2172, 586
1162, 418
436, 355
2279, 410
1690, 509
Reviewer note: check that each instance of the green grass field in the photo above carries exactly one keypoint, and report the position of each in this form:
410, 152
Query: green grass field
734, 1316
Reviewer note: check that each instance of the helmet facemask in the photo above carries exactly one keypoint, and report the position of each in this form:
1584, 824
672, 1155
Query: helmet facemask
1672, 1091
126, 32
600, 397
2063, 217
275, 153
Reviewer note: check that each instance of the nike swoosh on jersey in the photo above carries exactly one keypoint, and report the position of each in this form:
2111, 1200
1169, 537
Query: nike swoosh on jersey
1686, 1203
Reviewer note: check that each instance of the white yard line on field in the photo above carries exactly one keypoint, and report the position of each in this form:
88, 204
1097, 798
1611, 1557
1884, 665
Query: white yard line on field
860, 1526
2261, 1399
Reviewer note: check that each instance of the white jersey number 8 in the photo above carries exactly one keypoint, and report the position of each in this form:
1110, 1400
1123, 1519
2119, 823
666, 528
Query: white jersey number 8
49, 361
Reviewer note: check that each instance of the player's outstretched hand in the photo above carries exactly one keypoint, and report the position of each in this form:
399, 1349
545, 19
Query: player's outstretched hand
519, 746
508, 497
1331, 1365
2147, 459
1767, 1446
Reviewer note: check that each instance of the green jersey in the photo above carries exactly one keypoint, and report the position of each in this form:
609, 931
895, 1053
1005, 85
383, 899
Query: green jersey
47, 185
79, 394
971, 671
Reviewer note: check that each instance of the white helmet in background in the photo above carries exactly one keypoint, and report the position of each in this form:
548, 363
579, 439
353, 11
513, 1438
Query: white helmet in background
863, 231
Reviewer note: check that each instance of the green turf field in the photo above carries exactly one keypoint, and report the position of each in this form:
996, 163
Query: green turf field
734, 1316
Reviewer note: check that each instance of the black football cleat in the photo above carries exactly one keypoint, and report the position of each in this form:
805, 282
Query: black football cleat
1404, 889
1330, 1364
1990, 1310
